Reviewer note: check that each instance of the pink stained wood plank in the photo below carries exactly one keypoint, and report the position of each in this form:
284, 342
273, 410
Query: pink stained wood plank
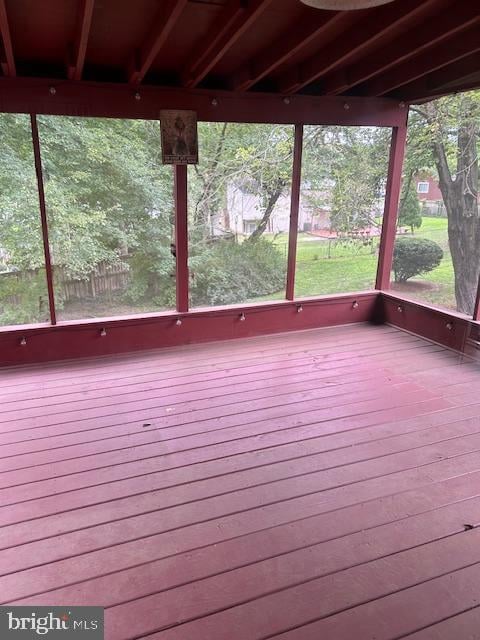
216, 384
270, 614
287, 515
56, 394
177, 410
205, 353
399, 615
284, 444
109, 458
463, 625
271, 560
51, 437
314, 451
190, 367
176, 488
168, 429
214, 395
163, 372
289, 496
175, 518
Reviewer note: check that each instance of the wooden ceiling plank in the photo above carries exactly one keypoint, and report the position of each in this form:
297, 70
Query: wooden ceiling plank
388, 20
288, 45
8, 64
85, 13
462, 45
236, 18
441, 27
165, 21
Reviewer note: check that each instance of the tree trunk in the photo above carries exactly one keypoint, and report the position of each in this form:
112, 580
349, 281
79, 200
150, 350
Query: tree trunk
208, 204
460, 195
272, 201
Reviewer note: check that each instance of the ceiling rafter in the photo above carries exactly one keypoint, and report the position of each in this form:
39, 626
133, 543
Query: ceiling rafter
234, 20
441, 55
8, 61
289, 44
84, 21
445, 80
388, 20
422, 34
143, 59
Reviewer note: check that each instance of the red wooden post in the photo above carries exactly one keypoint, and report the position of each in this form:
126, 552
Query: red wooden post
294, 207
392, 197
476, 309
43, 217
181, 236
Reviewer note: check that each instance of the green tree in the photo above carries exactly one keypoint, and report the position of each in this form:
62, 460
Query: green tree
410, 213
445, 134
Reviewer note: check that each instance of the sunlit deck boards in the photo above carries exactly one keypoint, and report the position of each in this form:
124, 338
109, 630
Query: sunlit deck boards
321, 484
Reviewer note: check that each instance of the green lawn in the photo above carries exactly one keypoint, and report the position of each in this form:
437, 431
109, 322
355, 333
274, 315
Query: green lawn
350, 268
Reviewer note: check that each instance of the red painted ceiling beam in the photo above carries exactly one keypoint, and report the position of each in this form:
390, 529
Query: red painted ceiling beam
289, 44
431, 30
445, 80
143, 59
7, 64
462, 45
75, 68
232, 23
374, 27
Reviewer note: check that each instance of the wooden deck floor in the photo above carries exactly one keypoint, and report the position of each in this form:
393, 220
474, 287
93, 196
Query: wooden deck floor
317, 485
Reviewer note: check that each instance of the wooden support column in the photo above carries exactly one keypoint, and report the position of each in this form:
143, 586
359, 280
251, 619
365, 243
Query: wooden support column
392, 197
181, 236
43, 217
294, 207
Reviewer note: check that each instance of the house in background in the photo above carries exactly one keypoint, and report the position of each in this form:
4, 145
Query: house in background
244, 210
429, 194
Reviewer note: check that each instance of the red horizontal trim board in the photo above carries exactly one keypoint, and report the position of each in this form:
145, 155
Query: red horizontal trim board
76, 339
61, 97
447, 328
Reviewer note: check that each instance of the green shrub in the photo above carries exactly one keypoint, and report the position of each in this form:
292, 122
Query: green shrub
413, 256
227, 273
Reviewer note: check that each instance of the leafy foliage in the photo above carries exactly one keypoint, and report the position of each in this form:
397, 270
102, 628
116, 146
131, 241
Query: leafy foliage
414, 256
228, 273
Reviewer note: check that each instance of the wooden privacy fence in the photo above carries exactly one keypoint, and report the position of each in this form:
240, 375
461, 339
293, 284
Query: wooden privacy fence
105, 279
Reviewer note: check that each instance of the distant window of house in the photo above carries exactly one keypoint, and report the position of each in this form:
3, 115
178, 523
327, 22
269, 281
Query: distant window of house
423, 187
249, 227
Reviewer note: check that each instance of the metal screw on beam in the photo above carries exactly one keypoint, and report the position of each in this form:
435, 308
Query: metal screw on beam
52, 91
214, 102
103, 332
402, 105
286, 100
400, 309
178, 322
299, 308
137, 96
242, 317
355, 305
346, 106
449, 326
23, 342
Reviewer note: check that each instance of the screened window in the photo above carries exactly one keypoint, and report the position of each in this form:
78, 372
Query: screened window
239, 213
23, 288
110, 210
341, 207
